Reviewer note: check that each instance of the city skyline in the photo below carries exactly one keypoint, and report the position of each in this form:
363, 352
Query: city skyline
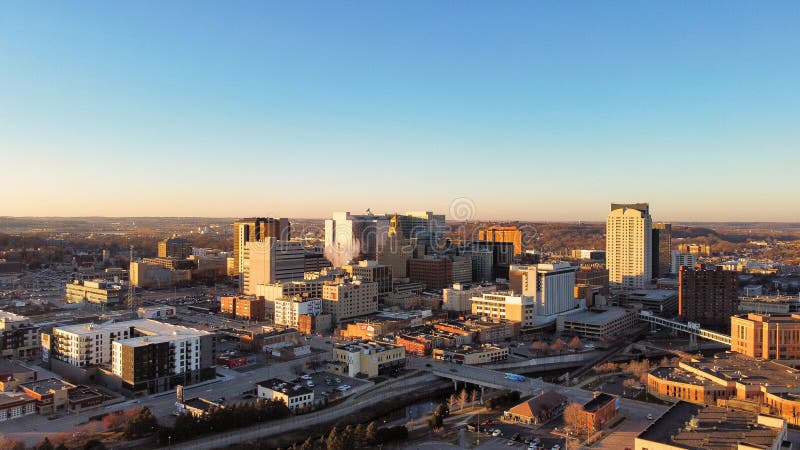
535, 112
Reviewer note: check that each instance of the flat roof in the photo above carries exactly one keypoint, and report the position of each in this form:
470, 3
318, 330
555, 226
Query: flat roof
46, 385
10, 316
597, 317
145, 326
653, 294
286, 387
693, 427
12, 398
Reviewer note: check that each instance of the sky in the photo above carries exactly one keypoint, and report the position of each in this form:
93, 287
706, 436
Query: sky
528, 110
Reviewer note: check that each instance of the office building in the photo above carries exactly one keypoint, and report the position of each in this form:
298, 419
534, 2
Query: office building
397, 251
551, 286
271, 261
256, 229
766, 336
172, 263
590, 255
52, 395
434, 272
289, 310
678, 260
347, 300
708, 296
19, 338
471, 355
697, 249
502, 255
593, 275
302, 288
372, 272
174, 248
482, 267
505, 306
155, 276
351, 237
458, 298
295, 396
99, 292
629, 246
661, 249
462, 269
368, 358
690, 427
510, 234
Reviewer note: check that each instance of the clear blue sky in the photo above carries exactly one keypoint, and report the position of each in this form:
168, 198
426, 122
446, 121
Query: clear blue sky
531, 110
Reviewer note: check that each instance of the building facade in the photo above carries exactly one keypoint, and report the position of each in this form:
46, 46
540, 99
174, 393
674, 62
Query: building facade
271, 261
678, 260
289, 310
662, 249
510, 234
766, 336
347, 300
256, 229
708, 296
629, 246
174, 248
369, 358
99, 292
19, 338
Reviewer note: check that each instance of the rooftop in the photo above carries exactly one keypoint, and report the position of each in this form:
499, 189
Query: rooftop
13, 398
596, 403
47, 385
11, 317
537, 405
201, 404
694, 427
144, 326
597, 317
286, 387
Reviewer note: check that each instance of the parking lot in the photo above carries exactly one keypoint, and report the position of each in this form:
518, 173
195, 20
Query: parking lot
327, 384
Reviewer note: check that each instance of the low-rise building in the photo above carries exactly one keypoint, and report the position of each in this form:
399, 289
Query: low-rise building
367, 358
458, 298
600, 410
14, 405
598, 324
766, 336
295, 396
245, 308
537, 410
472, 355
156, 312
197, 406
686, 426
99, 292
732, 380
53, 395
661, 302
19, 338
150, 275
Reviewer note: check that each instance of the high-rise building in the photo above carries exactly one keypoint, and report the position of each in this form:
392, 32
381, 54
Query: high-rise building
353, 237
662, 246
678, 259
256, 229
174, 248
707, 296
510, 234
697, 249
629, 246
482, 266
502, 255
424, 226
551, 286
271, 261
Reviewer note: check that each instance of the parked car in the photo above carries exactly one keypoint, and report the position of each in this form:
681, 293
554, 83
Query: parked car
496, 432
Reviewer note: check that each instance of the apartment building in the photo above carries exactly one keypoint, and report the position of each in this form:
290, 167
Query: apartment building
19, 338
347, 300
289, 310
246, 308
629, 246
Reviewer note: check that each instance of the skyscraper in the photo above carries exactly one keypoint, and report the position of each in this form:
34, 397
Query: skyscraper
662, 245
629, 246
256, 229
503, 234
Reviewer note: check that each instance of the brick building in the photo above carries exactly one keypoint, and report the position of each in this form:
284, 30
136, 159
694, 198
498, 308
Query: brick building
707, 296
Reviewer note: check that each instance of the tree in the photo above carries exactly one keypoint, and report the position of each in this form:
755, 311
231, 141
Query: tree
574, 417
473, 396
359, 436
462, 398
557, 346
452, 401
45, 444
308, 444
11, 444
629, 383
371, 433
575, 343
143, 423
540, 346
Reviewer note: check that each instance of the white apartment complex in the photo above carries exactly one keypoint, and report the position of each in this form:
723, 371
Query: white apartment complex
629, 246
551, 286
288, 309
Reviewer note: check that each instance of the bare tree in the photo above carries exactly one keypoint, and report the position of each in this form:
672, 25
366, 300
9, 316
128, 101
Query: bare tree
575, 343
462, 397
574, 417
473, 396
452, 401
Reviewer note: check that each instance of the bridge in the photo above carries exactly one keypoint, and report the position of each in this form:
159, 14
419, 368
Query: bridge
479, 376
691, 328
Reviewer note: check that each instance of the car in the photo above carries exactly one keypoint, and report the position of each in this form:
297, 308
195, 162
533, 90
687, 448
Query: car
453, 370
306, 377
556, 447
510, 443
649, 417
496, 432
338, 380
427, 364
